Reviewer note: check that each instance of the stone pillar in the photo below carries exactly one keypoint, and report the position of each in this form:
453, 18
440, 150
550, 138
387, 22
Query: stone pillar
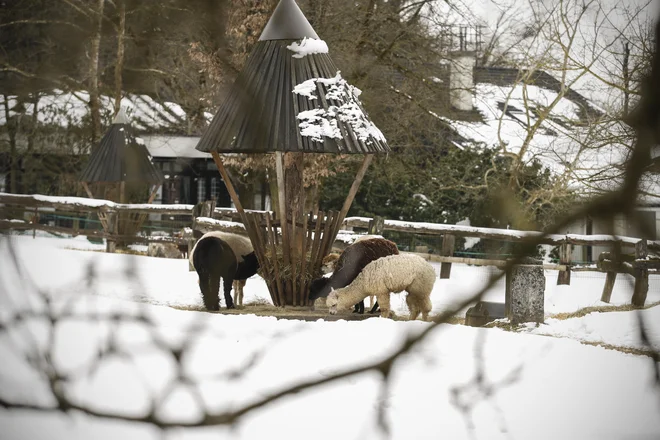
525, 292
461, 80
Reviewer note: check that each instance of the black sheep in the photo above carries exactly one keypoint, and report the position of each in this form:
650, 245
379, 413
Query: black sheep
350, 263
223, 255
213, 259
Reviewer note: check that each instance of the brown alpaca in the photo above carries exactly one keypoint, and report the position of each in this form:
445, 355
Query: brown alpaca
349, 265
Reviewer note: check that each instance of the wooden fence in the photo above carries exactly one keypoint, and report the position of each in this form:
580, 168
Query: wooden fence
206, 217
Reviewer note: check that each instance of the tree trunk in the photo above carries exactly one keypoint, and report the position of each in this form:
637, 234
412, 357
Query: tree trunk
119, 66
29, 174
12, 125
94, 103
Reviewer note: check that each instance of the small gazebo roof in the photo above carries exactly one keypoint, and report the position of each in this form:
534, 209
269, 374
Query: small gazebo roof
120, 157
290, 97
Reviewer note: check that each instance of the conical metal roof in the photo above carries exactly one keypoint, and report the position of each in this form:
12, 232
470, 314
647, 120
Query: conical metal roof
120, 158
290, 96
287, 23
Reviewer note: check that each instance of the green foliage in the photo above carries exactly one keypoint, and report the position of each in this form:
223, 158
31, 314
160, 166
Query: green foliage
447, 185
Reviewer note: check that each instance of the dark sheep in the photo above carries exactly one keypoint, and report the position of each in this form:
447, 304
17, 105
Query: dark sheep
349, 265
213, 259
223, 255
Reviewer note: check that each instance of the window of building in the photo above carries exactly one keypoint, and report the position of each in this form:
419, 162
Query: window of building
214, 188
201, 189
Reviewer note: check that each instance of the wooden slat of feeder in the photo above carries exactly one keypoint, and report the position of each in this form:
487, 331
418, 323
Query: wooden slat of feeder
316, 240
326, 238
273, 249
259, 247
333, 233
303, 268
284, 224
294, 257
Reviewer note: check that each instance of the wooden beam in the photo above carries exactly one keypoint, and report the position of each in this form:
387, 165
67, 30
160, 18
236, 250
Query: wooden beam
354, 188
228, 184
284, 224
152, 196
279, 170
448, 245
87, 190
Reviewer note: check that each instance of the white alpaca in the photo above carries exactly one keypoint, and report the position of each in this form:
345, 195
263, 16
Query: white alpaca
240, 245
394, 273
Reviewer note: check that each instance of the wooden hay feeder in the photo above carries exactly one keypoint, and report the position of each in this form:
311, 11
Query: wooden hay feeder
118, 161
289, 100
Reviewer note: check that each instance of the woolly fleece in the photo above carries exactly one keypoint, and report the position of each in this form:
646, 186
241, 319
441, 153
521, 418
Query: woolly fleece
394, 273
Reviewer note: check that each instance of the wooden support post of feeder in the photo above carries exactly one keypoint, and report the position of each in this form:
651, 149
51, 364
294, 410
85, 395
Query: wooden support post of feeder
229, 185
153, 194
87, 190
355, 186
564, 276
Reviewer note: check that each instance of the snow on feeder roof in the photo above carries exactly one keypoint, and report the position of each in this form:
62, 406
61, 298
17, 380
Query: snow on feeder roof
121, 157
290, 97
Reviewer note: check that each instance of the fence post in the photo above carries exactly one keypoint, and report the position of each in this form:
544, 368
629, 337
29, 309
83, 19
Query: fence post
35, 221
448, 242
641, 274
376, 225
565, 251
113, 229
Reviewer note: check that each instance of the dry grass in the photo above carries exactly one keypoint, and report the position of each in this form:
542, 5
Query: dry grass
286, 270
601, 309
628, 350
262, 307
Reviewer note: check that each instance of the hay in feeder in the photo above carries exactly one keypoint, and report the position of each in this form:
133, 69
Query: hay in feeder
286, 271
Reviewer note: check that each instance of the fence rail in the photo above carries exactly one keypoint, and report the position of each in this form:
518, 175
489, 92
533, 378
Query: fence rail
205, 217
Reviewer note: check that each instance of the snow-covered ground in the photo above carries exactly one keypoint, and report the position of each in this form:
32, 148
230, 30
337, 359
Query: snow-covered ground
552, 387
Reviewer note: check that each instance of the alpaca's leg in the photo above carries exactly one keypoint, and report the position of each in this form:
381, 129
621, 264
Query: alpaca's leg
374, 309
426, 306
227, 284
235, 287
241, 285
372, 298
359, 308
384, 301
210, 291
413, 307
